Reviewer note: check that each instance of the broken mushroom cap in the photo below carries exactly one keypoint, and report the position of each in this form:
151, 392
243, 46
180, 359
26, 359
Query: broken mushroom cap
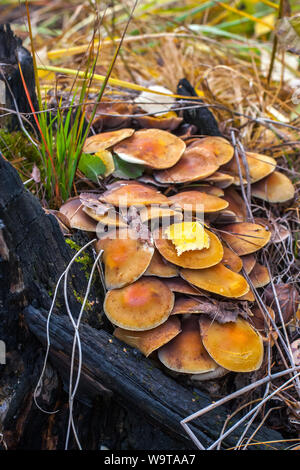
236, 346
125, 257
78, 219
105, 140
133, 194
231, 260
150, 340
186, 353
195, 164
221, 148
259, 167
259, 276
197, 201
160, 267
151, 147
245, 238
143, 305
274, 188
194, 259
218, 280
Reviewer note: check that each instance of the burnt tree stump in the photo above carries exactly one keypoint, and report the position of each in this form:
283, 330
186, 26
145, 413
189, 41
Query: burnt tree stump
124, 400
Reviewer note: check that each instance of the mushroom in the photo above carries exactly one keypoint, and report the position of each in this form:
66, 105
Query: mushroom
217, 279
133, 194
167, 122
159, 213
221, 148
259, 167
236, 346
110, 219
125, 257
151, 147
180, 286
236, 204
220, 179
142, 305
274, 188
186, 353
105, 140
197, 201
186, 305
248, 263
259, 276
245, 238
150, 340
195, 259
195, 164
78, 219
160, 267
231, 260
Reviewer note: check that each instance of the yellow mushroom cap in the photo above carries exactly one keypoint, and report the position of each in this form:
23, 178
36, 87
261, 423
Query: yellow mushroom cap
152, 147
259, 167
143, 305
196, 259
195, 164
125, 257
218, 279
275, 188
105, 140
245, 238
150, 340
236, 346
197, 201
186, 353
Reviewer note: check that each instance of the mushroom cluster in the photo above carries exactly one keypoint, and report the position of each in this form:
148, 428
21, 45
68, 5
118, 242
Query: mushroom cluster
179, 250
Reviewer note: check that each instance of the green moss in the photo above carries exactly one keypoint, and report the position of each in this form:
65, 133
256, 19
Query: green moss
18, 149
84, 260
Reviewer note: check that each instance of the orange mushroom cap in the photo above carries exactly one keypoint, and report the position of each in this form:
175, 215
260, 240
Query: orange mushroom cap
236, 346
218, 280
259, 276
236, 204
197, 201
259, 167
180, 286
231, 260
195, 164
125, 257
275, 188
186, 305
143, 305
245, 238
160, 267
150, 340
221, 148
133, 194
78, 219
105, 140
248, 263
186, 353
152, 147
196, 259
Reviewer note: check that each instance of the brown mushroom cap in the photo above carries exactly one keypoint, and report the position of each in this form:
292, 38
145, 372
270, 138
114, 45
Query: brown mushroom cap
220, 179
231, 260
221, 148
206, 188
259, 166
236, 346
160, 267
152, 147
143, 305
110, 219
197, 201
195, 164
180, 286
217, 279
258, 318
196, 259
236, 204
78, 219
186, 353
259, 276
105, 140
133, 194
186, 305
125, 257
245, 238
154, 212
167, 122
249, 296
150, 340
274, 188
248, 263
